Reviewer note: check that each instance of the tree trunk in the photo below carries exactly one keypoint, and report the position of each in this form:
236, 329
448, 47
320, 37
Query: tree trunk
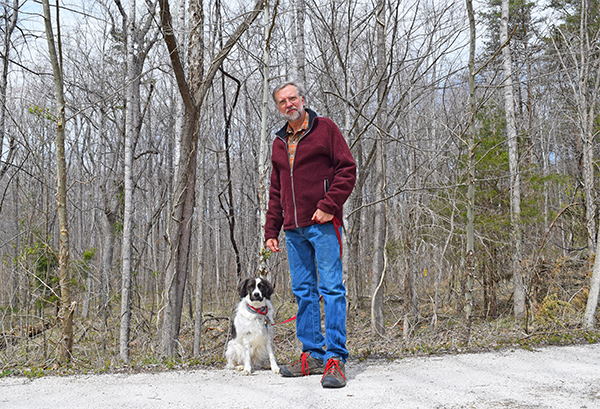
108, 248
379, 224
180, 235
130, 127
298, 41
470, 252
587, 126
196, 37
67, 309
591, 77
589, 319
263, 152
200, 261
10, 24
513, 162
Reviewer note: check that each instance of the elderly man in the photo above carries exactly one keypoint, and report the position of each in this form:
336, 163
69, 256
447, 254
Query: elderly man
312, 175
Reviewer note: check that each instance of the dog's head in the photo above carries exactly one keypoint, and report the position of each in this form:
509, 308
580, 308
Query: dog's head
257, 289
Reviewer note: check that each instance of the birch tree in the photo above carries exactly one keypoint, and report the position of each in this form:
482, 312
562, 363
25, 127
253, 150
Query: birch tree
9, 24
130, 118
379, 224
299, 53
10, 17
263, 154
196, 36
137, 48
513, 162
470, 248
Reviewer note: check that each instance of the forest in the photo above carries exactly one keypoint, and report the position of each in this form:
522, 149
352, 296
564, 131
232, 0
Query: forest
134, 159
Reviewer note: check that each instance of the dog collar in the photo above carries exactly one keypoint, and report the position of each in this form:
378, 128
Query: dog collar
262, 310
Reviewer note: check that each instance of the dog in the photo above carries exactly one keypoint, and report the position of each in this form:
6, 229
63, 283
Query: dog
251, 343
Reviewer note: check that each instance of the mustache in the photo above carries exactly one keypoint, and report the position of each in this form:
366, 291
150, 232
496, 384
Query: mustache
292, 113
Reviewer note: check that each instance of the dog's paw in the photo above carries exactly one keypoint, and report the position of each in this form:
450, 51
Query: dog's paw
239, 368
274, 369
246, 371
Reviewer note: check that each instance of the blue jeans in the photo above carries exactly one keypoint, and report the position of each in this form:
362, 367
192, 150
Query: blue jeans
316, 268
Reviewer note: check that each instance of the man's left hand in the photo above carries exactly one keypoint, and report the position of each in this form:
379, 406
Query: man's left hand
321, 217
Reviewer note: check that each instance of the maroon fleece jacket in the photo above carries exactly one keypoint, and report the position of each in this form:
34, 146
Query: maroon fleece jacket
323, 177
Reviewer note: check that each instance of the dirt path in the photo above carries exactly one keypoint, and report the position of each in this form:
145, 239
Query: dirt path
554, 377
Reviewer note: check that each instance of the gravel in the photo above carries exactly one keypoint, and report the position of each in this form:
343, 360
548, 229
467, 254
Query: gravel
552, 377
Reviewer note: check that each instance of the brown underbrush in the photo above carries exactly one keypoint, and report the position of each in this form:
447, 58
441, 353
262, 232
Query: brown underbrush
27, 352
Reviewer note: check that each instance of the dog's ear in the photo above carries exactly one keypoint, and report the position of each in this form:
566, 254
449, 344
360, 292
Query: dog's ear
242, 288
269, 289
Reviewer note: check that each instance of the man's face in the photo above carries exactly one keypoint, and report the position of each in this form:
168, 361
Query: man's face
289, 103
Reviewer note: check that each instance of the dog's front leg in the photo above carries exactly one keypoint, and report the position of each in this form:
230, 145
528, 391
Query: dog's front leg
274, 366
247, 358
272, 360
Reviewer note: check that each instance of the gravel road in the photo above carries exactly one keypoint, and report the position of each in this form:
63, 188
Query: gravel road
552, 377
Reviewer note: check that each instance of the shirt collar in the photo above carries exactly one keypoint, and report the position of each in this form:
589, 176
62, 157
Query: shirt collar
304, 127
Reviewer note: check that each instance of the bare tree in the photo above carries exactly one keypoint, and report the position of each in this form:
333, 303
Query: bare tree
193, 90
379, 224
10, 23
137, 49
299, 54
575, 50
470, 250
67, 308
263, 150
130, 120
513, 161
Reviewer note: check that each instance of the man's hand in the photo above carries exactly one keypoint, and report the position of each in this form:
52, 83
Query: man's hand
273, 245
321, 217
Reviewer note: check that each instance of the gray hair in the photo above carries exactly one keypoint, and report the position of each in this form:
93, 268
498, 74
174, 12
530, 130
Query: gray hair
298, 86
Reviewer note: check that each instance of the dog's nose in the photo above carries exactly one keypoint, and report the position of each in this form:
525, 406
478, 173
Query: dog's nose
256, 296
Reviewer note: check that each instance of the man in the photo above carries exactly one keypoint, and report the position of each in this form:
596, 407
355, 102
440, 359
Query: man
312, 175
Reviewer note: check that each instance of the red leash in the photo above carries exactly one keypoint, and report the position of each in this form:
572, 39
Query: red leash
286, 321
337, 224
294, 317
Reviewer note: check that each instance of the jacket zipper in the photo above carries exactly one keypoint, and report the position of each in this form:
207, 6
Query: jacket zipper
293, 191
292, 169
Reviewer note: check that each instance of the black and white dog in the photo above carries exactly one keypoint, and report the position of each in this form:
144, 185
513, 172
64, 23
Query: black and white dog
251, 342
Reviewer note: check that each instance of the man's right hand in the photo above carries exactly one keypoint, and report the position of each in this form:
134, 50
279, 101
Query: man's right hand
273, 245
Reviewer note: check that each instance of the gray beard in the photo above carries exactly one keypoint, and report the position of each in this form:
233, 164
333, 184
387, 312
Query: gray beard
292, 117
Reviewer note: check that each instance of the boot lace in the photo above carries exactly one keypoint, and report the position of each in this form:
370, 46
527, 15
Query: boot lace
332, 366
303, 361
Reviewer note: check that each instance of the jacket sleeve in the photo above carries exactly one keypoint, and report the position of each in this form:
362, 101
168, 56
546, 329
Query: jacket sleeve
274, 217
344, 178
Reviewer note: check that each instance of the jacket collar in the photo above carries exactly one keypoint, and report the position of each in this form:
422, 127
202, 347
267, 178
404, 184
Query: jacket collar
282, 133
